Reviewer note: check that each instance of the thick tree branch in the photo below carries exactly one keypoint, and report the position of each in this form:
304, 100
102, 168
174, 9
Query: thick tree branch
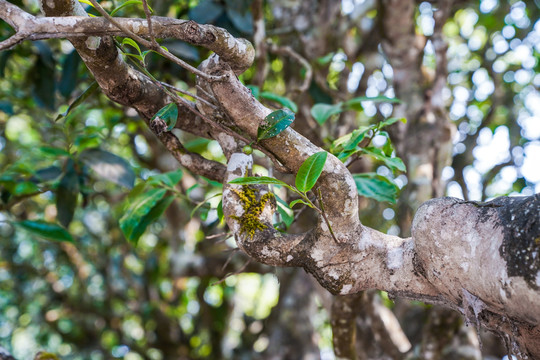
239, 53
338, 189
129, 87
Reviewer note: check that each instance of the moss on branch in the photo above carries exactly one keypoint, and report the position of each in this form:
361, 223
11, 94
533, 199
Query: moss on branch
253, 208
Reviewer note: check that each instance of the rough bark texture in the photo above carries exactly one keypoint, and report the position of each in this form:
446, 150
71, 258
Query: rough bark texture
497, 242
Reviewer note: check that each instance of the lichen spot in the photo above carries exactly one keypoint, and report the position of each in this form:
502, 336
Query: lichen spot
136, 27
92, 43
250, 220
346, 289
289, 258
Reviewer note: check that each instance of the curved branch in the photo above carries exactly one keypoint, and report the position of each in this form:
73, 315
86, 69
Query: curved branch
129, 87
239, 53
267, 245
291, 149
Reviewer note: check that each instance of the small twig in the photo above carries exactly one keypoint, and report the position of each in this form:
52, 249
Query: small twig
259, 37
323, 213
229, 258
239, 271
354, 157
287, 50
217, 235
200, 88
106, 15
219, 127
148, 15
150, 45
188, 94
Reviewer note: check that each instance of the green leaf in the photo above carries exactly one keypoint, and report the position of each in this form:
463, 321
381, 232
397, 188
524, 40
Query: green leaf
262, 180
25, 188
47, 174
6, 107
169, 179
79, 100
42, 76
281, 100
48, 150
197, 145
276, 122
86, 2
390, 121
68, 81
344, 155
132, 43
286, 213
87, 141
310, 170
219, 210
169, 114
376, 187
128, 3
394, 163
109, 166
204, 207
356, 138
67, 195
4, 57
356, 103
326, 59
299, 201
322, 112
154, 214
206, 11
46, 230
142, 205
239, 13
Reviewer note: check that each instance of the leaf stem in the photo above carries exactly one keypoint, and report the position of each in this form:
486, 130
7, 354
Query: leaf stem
324, 215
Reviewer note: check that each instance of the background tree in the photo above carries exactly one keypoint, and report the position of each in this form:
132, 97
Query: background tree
466, 78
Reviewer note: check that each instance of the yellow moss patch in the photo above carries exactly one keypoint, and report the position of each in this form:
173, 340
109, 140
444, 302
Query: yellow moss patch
249, 221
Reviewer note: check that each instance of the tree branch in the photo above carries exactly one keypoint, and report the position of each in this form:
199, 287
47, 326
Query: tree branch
239, 53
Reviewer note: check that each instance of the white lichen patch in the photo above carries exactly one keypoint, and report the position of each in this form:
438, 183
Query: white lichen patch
289, 258
136, 26
330, 167
352, 187
227, 141
474, 303
50, 4
464, 266
366, 242
473, 240
230, 42
333, 274
236, 206
272, 254
345, 289
67, 21
324, 226
317, 255
238, 161
394, 258
242, 46
92, 43
186, 160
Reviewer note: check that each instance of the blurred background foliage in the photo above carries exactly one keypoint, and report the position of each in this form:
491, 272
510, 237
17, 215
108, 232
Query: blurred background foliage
97, 295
